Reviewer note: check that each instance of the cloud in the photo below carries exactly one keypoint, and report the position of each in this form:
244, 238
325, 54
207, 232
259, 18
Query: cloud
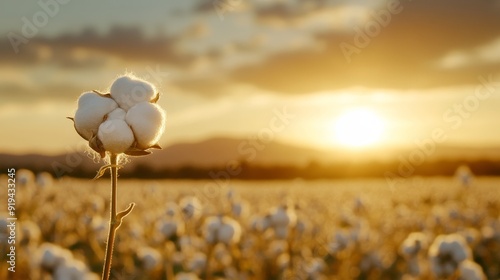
15, 93
205, 86
336, 14
302, 55
487, 54
125, 43
401, 56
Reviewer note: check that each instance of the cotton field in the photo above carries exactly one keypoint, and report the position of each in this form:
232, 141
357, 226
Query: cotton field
421, 228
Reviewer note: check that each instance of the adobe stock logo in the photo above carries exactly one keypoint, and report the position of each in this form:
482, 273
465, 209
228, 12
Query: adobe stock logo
371, 29
453, 119
40, 19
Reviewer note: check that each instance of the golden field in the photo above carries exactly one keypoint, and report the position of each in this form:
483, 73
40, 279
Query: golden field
332, 229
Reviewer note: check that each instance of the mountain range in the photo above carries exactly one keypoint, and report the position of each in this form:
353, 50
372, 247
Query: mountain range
218, 152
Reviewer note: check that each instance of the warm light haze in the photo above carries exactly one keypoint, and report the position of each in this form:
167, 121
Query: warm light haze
350, 79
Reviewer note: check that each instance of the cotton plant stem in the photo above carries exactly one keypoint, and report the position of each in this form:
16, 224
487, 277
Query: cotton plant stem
115, 218
169, 266
208, 268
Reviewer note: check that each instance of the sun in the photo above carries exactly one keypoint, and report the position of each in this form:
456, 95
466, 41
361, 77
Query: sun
359, 127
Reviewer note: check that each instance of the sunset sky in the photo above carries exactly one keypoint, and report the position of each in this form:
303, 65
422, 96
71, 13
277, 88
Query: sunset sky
226, 67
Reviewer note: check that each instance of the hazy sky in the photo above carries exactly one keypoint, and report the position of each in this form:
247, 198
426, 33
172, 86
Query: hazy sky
225, 67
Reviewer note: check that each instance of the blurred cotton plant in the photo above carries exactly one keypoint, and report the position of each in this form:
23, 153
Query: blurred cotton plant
60, 264
470, 270
411, 249
127, 121
464, 175
446, 254
223, 230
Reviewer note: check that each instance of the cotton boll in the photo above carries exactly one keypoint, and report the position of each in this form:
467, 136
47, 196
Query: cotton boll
413, 244
222, 229
341, 241
149, 257
171, 228
198, 262
147, 120
92, 108
459, 249
212, 225
191, 207
229, 231
116, 136
446, 253
25, 177
129, 90
470, 270
117, 114
71, 270
283, 216
52, 255
464, 175
260, 224
302, 227
239, 209
44, 179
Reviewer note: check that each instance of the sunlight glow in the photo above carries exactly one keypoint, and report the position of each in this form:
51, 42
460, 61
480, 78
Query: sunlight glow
359, 127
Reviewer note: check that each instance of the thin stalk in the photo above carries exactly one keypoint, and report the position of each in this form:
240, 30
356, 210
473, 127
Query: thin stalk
169, 267
115, 219
208, 268
112, 220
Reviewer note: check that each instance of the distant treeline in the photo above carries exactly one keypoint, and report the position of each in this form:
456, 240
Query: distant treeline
314, 170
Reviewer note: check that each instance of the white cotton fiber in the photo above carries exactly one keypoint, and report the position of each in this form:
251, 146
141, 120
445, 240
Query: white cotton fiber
147, 120
92, 108
283, 216
170, 228
222, 229
52, 255
129, 91
191, 207
71, 269
470, 270
149, 257
446, 253
116, 136
212, 225
229, 231
127, 120
117, 114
